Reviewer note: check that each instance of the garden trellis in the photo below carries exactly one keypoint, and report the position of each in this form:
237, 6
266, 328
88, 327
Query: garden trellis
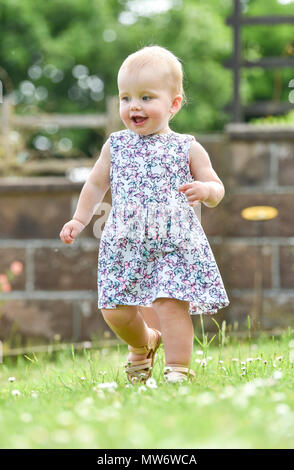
262, 107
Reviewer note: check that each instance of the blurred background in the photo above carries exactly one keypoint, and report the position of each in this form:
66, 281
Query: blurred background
58, 66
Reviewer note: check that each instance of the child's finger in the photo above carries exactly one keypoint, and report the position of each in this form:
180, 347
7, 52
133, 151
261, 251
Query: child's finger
68, 241
66, 235
62, 236
184, 186
67, 231
189, 192
74, 232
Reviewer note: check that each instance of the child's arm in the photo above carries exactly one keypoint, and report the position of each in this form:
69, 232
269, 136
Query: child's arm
207, 187
92, 194
95, 187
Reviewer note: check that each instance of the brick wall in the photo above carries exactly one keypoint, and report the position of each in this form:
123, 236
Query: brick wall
56, 292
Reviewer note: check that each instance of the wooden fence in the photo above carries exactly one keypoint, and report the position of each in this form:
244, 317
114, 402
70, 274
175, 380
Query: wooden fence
10, 121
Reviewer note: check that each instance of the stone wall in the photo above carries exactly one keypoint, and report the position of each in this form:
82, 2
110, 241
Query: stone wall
56, 292
257, 257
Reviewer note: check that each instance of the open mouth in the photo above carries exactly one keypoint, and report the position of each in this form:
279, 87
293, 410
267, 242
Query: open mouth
139, 120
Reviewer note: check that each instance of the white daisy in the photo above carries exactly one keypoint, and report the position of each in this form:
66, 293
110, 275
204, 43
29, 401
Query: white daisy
151, 383
107, 386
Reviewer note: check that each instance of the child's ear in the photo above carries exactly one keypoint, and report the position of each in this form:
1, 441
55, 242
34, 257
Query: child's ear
176, 104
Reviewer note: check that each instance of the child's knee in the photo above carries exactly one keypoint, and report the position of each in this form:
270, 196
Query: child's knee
120, 315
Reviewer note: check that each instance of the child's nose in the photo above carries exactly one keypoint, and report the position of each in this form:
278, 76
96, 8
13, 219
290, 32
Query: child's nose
135, 104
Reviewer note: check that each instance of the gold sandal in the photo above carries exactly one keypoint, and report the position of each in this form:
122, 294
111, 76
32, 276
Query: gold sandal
175, 373
140, 371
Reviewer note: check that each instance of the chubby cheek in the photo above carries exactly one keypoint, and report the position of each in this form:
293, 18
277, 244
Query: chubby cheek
123, 112
155, 113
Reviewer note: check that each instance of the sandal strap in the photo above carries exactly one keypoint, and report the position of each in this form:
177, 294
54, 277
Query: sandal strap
139, 365
177, 368
141, 370
141, 350
175, 377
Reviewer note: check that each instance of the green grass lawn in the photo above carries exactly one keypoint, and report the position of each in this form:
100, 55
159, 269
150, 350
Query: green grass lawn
242, 397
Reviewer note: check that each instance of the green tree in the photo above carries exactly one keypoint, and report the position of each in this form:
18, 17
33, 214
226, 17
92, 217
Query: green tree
42, 43
69, 32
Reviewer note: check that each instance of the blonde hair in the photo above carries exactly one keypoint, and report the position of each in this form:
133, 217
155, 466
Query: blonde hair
161, 59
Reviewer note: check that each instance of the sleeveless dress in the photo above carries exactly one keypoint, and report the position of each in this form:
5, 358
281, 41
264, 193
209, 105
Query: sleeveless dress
153, 244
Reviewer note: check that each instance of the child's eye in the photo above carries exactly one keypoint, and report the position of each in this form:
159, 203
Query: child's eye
125, 98
146, 98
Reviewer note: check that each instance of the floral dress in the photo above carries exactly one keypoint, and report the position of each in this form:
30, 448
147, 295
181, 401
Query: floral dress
153, 244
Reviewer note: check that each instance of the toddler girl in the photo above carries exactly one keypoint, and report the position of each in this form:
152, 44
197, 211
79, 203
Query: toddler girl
153, 250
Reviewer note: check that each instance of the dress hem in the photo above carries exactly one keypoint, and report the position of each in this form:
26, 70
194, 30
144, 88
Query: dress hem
198, 306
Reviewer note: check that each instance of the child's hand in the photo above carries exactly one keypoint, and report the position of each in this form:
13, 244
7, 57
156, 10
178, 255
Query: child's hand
196, 192
70, 231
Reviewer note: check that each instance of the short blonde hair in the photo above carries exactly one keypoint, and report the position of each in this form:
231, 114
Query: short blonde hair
161, 59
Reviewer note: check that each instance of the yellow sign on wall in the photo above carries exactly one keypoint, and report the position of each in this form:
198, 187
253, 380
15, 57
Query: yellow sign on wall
259, 213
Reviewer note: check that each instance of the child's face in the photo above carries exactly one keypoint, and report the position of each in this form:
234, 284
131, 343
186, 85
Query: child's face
145, 101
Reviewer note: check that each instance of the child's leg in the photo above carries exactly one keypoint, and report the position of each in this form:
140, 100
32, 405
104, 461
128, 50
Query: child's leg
150, 316
177, 330
127, 322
